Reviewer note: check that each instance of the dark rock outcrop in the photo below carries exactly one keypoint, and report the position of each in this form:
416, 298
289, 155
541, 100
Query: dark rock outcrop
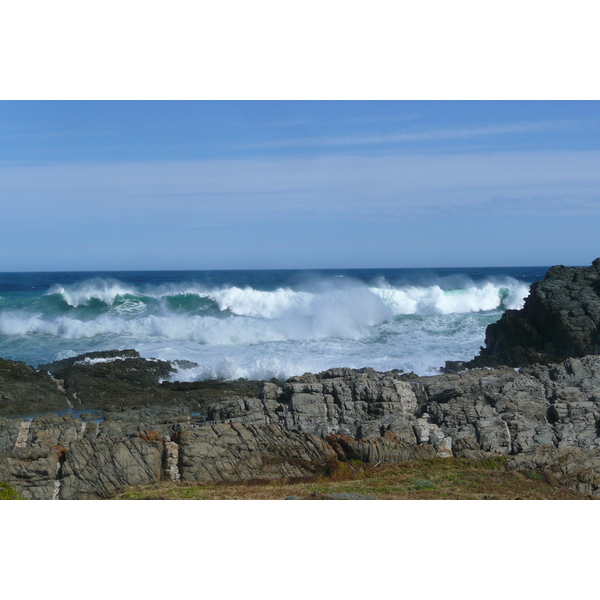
88, 358
108, 379
24, 390
114, 380
560, 318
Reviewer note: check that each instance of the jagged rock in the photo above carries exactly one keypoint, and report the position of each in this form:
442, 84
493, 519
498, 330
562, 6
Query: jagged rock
360, 403
573, 467
386, 449
9, 431
502, 410
466, 447
164, 420
32, 471
234, 452
560, 318
29, 451
428, 432
99, 468
373, 417
54, 430
573, 393
249, 411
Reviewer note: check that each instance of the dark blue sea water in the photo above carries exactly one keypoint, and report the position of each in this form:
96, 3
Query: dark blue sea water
261, 324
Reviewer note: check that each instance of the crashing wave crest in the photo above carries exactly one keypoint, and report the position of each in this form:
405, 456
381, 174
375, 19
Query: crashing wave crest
275, 304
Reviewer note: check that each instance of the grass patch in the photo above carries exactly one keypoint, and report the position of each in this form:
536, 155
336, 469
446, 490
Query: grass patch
429, 479
8, 492
533, 475
493, 463
422, 484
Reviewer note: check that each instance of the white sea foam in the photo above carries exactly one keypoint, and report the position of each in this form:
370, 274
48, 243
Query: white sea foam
80, 294
203, 330
415, 343
435, 300
256, 303
247, 301
130, 307
95, 361
17, 323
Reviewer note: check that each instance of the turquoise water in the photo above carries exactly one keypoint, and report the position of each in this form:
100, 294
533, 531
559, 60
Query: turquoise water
261, 324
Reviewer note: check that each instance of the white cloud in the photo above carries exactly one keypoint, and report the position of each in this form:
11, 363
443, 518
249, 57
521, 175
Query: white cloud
432, 135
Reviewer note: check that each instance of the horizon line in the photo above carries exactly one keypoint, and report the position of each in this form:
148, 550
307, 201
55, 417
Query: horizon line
287, 269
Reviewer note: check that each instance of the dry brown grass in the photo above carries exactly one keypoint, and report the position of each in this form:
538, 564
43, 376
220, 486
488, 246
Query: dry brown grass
433, 479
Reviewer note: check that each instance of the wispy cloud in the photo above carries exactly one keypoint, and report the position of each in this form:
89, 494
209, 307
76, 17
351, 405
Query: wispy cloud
380, 119
269, 124
400, 187
433, 134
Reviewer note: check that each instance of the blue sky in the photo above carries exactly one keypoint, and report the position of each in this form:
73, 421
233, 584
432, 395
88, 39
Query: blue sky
324, 184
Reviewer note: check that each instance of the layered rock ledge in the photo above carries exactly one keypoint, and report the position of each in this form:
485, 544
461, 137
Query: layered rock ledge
544, 416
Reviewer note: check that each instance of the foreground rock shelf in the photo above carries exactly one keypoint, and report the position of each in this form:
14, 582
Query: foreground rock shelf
543, 417
124, 426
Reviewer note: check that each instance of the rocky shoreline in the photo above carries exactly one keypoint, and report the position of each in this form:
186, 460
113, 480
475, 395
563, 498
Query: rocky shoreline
113, 419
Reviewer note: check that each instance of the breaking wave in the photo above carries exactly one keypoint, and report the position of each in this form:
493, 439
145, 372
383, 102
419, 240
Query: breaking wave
105, 291
275, 304
236, 330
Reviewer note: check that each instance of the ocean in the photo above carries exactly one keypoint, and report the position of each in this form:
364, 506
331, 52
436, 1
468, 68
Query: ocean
261, 324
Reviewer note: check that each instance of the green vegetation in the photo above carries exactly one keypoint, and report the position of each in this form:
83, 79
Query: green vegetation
8, 492
421, 484
431, 479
